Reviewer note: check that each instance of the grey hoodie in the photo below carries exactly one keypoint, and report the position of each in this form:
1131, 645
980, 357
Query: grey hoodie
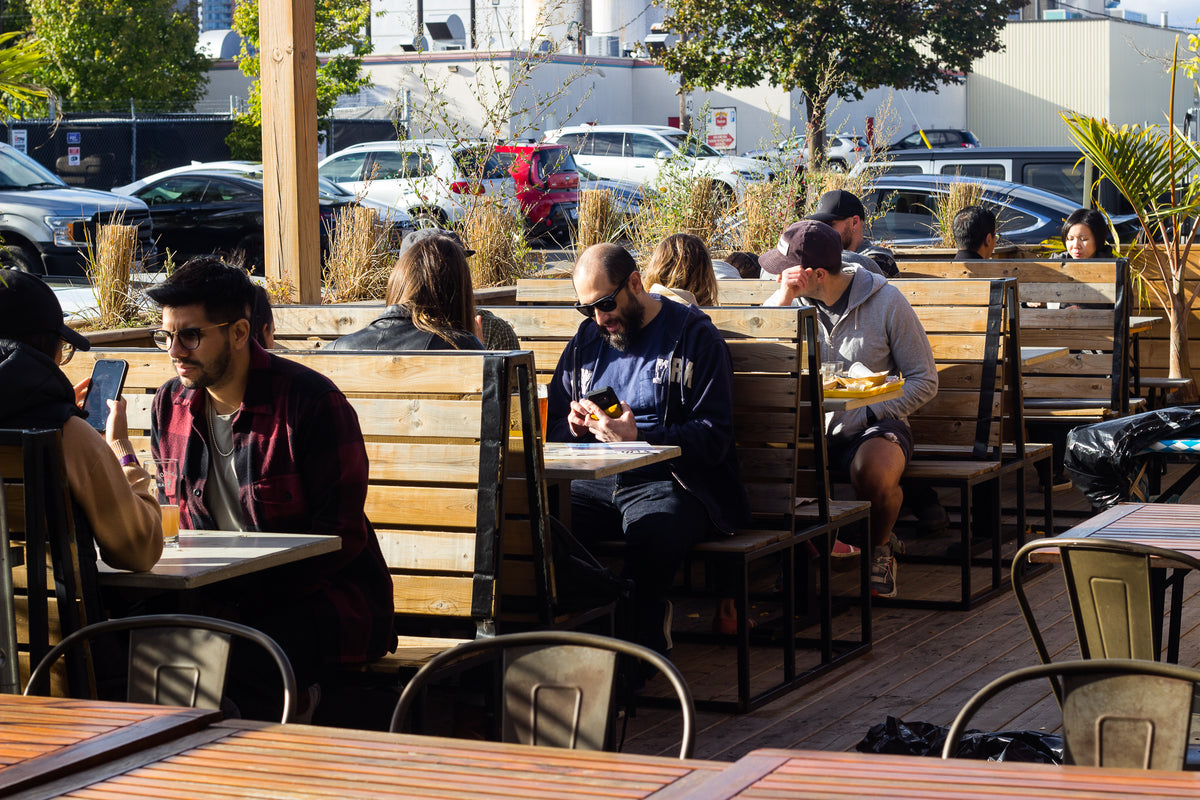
880, 330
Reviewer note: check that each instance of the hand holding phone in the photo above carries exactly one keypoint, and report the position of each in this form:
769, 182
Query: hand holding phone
607, 399
108, 379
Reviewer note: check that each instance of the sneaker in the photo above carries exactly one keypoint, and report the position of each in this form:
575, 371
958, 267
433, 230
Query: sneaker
306, 704
883, 572
899, 548
1059, 483
843, 550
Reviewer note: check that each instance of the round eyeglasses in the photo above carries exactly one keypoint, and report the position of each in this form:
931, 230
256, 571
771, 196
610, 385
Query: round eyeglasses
188, 338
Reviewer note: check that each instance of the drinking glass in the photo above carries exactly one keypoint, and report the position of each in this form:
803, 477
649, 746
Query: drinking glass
166, 481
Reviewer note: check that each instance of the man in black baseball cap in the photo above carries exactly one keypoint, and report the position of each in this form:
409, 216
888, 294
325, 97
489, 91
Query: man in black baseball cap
864, 320
109, 488
844, 212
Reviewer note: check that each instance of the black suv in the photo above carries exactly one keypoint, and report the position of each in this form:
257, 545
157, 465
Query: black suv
938, 137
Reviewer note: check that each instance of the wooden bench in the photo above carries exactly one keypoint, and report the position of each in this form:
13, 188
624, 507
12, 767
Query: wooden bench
1092, 382
465, 553
780, 439
970, 437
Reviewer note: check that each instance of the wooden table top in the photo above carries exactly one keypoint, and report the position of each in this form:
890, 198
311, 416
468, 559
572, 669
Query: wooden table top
1169, 525
205, 557
42, 738
240, 759
766, 774
1143, 324
1037, 355
588, 461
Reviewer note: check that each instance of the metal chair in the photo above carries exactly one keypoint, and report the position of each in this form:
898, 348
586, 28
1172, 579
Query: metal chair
1116, 712
1115, 599
10, 680
558, 686
176, 659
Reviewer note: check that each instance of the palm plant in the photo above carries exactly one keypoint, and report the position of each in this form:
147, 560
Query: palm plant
20, 60
1153, 168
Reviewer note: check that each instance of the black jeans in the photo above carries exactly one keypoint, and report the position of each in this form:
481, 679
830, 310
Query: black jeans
659, 521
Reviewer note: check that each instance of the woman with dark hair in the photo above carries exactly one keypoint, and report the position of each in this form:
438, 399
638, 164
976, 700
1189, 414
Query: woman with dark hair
430, 304
681, 269
1085, 235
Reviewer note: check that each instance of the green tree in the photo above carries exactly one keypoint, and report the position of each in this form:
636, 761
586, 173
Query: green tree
828, 47
105, 53
340, 26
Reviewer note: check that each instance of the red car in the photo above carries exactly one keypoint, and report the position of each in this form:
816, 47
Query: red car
547, 185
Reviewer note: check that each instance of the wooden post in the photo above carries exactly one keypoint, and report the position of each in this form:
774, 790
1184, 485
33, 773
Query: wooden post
289, 145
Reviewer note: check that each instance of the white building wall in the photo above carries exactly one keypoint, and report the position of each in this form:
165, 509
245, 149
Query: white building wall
1091, 66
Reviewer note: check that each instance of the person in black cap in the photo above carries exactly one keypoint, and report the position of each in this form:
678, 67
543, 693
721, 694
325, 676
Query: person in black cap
863, 319
495, 333
109, 487
844, 212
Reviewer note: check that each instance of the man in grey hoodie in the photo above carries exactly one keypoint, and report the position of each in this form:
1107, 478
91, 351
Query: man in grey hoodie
863, 318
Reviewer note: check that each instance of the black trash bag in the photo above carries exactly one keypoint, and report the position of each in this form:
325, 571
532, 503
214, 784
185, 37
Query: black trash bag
897, 737
1101, 457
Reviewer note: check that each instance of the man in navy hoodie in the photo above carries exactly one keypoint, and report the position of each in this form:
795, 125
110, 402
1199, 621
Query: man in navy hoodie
672, 372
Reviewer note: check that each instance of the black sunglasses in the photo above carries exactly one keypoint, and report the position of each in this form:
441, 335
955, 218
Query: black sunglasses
189, 338
606, 304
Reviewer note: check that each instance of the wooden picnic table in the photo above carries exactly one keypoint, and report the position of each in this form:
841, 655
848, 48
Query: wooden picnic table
42, 738
240, 759
205, 557
766, 774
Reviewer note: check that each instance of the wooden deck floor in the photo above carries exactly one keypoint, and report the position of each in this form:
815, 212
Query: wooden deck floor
923, 666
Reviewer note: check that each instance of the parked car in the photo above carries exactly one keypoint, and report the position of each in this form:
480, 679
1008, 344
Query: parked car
937, 137
1054, 169
641, 153
201, 212
900, 210
547, 184
842, 153
400, 221
45, 224
429, 179
627, 196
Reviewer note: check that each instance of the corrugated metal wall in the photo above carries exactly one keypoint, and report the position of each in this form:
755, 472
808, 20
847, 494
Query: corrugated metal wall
1090, 66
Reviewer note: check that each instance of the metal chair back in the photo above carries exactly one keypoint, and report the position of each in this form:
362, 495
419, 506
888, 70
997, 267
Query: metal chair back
558, 686
1124, 713
1109, 588
10, 679
176, 659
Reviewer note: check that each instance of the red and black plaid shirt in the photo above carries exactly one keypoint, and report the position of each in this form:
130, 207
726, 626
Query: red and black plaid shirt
302, 468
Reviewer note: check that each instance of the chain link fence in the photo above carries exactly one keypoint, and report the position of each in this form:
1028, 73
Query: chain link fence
100, 152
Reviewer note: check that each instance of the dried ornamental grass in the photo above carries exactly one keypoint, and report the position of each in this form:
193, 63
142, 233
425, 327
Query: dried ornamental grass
949, 204
767, 210
360, 256
599, 220
109, 267
497, 235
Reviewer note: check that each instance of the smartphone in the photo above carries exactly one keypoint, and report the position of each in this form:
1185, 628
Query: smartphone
108, 379
607, 399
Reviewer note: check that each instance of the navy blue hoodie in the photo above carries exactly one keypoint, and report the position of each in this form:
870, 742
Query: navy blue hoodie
694, 396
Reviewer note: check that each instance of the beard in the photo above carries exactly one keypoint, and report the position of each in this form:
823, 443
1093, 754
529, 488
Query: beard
210, 373
847, 239
632, 319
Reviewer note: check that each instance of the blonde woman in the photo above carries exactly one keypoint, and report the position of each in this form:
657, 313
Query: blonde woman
681, 269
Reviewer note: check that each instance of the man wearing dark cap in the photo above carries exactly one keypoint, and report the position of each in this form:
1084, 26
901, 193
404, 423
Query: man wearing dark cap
844, 212
110, 489
495, 333
863, 319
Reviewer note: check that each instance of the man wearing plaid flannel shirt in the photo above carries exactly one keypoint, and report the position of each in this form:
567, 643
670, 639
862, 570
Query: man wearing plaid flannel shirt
265, 444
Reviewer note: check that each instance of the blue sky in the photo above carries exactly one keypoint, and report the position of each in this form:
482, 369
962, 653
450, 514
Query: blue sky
1181, 13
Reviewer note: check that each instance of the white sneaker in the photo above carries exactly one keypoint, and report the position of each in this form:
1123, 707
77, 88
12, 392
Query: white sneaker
883, 572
